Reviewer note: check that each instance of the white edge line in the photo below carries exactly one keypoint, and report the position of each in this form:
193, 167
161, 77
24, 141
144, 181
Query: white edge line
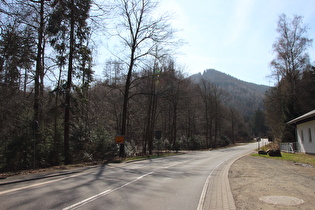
39, 184
205, 188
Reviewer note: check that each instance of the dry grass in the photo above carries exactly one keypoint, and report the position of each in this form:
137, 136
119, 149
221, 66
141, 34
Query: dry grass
296, 157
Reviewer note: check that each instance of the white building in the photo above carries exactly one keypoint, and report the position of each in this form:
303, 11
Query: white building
305, 132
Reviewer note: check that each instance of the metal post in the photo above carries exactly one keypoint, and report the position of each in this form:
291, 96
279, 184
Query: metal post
35, 128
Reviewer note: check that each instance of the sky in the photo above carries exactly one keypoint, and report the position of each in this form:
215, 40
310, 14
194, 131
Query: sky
234, 36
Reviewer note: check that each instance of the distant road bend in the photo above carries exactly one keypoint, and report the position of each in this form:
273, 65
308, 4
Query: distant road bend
176, 182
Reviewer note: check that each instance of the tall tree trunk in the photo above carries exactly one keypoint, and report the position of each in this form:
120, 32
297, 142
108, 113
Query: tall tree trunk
56, 150
37, 96
174, 124
37, 105
25, 82
149, 136
68, 90
207, 125
145, 140
233, 123
125, 108
151, 114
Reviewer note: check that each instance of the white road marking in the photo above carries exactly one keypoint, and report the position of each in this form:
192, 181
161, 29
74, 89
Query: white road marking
56, 180
170, 166
106, 192
39, 184
205, 188
88, 200
175, 164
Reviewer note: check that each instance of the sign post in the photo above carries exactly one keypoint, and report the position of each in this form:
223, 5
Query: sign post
120, 139
35, 129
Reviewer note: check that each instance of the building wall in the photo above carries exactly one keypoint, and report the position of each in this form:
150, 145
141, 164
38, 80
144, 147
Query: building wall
306, 137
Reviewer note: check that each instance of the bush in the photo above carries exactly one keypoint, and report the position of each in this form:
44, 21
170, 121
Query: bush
103, 145
224, 140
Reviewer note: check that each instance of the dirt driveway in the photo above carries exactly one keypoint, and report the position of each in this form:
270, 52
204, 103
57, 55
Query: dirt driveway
252, 179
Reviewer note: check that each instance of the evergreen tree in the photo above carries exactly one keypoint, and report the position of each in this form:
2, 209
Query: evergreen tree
69, 32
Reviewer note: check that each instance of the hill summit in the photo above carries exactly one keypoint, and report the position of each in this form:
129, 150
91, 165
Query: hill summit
244, 96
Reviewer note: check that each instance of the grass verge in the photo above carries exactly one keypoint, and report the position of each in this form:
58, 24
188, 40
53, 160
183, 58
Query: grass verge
297, 157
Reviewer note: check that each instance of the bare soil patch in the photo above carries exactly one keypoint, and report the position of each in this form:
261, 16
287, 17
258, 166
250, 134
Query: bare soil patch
252, 178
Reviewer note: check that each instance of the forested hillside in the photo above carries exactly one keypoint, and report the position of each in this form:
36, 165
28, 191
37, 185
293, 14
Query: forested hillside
54, 111
243, 96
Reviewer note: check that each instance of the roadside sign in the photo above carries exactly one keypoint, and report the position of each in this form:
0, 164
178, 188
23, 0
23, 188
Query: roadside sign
158, 135
120, 139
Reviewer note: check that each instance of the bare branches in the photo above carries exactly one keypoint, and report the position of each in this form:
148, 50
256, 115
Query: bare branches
141, 30
283, 102
141, 33
290, 47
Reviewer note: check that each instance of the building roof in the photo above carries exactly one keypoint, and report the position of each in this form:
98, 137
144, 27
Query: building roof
303, 118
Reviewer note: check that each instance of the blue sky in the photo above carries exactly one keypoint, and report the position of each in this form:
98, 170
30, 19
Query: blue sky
234, 36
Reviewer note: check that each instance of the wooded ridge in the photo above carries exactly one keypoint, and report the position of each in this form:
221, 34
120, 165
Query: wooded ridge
245, 97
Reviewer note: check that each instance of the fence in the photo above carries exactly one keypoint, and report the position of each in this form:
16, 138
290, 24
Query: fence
291, 147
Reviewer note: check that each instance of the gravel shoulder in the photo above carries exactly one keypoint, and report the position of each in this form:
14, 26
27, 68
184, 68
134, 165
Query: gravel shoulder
252, 178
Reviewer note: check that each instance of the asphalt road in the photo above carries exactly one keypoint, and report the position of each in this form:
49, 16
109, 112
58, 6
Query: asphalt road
176, 182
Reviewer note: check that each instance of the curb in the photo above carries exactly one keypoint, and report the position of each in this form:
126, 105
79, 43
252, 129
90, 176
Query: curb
219, 195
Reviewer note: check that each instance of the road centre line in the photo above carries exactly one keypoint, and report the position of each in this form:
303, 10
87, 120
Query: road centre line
172, 165
88, 200
56, 180
106, 192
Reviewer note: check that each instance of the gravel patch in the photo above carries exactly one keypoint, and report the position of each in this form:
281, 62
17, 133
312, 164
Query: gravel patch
254, 181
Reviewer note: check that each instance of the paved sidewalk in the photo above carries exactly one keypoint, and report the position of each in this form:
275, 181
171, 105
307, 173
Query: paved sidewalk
219, 195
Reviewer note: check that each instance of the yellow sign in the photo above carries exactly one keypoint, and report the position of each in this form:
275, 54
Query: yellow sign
120, 139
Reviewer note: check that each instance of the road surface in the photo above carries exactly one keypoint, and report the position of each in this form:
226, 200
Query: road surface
176, 182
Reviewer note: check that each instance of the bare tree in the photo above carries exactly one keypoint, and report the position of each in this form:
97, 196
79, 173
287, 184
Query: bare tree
212, 98
291, 55
39, 64
141, 33
205, 89
291, 61
290, 47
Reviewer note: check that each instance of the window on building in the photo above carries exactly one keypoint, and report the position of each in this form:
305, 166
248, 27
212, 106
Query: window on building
302, 135
310, 134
